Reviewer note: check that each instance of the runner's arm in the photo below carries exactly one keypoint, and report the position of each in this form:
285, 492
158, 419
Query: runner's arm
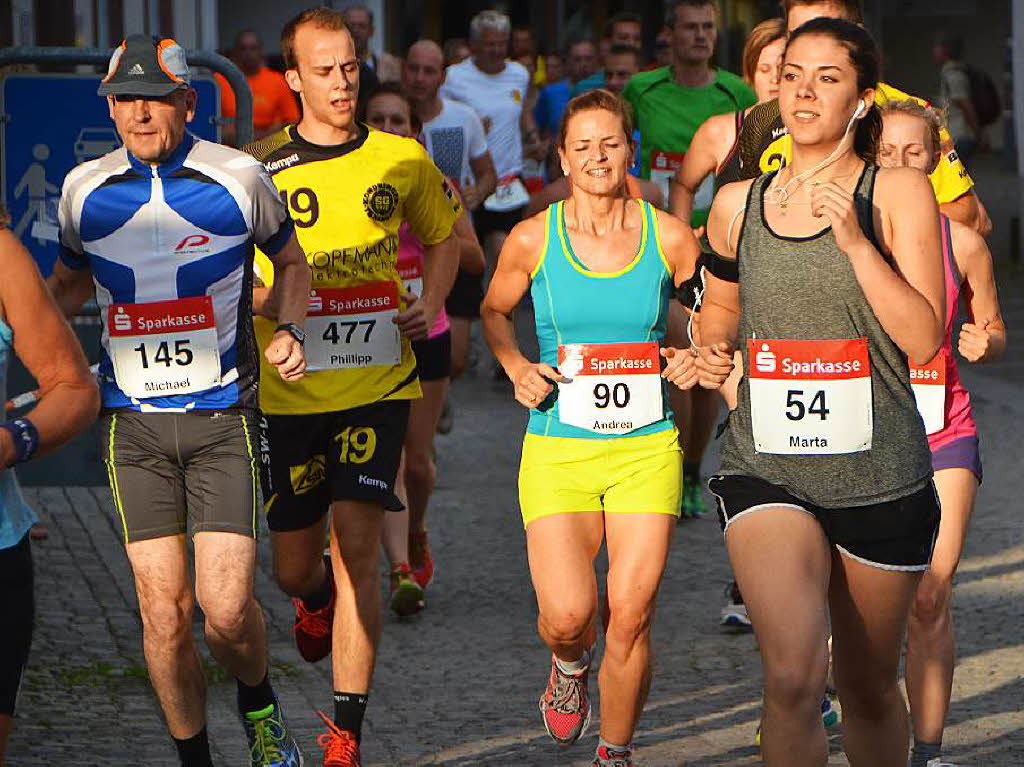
471, 255
983, 336
909, 297
700, 161
43, 340
486, 180
70, 287
720, 304
968, 210
679, 246
289, 297
508, 285
550, 193
440, 265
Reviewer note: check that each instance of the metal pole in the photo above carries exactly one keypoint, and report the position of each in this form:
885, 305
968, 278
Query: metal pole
29, 54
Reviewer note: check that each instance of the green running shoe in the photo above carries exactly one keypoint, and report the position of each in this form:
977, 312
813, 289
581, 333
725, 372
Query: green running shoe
270, 745
693, 498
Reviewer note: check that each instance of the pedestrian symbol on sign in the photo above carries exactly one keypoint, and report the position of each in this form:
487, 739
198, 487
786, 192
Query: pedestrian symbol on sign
44, 225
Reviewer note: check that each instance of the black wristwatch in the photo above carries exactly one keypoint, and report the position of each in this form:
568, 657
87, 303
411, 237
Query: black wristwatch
297, 333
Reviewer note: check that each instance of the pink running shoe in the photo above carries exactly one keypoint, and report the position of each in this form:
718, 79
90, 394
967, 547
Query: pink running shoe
565, 706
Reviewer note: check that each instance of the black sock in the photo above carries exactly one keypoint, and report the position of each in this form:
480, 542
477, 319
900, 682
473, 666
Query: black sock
349, 708
255, 698
924, 752
691, 471
320, 598
194, 751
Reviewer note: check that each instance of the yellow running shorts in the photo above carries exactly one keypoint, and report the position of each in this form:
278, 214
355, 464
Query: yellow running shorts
620, 475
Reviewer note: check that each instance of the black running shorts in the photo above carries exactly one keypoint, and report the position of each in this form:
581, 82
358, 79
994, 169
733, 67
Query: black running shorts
314, 460
16, 582
168, 470
434, 357
896, 535
466, 295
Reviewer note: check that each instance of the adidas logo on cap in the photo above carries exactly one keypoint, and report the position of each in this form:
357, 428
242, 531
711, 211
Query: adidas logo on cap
136, 70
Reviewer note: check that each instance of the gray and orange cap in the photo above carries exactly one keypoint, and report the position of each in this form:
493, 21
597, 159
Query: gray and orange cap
145, 66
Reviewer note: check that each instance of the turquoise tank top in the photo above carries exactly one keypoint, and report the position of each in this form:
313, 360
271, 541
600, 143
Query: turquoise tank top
574, 305
15, 515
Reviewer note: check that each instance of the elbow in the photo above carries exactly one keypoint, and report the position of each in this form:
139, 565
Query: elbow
925, 352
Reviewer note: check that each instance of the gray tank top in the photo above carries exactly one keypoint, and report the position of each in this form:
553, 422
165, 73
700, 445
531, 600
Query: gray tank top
805, 288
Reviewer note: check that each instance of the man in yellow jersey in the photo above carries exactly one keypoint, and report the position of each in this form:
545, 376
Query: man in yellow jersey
952, 184
335, 438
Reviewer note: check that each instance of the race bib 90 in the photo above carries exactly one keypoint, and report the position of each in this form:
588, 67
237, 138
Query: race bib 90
614, 389
810, 397
929, 385
353, 327
163, 348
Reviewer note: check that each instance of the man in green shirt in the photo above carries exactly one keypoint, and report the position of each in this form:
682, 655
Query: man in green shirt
670, 103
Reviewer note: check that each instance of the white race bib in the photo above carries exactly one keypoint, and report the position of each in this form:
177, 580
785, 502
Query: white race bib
663, 168
509, 195
615, 388
164, 348
411, 273
810, 397
353, 327
929, 385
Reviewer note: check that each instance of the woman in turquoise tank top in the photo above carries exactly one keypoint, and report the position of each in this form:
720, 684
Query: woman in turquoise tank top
30, 324
601, 457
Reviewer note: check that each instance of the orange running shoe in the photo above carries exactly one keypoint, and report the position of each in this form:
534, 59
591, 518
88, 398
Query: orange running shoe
421, 561
341, 749
313, 628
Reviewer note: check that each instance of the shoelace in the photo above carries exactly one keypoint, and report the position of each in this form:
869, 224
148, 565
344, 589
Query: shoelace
337, 743
267, 745
567, 696
312, 623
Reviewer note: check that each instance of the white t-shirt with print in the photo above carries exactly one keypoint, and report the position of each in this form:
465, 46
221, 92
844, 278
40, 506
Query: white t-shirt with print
453, 138
498, 101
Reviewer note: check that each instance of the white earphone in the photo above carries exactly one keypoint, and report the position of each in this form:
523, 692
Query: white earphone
861, 109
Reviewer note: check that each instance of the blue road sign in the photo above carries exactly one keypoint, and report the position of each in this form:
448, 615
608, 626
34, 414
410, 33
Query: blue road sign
50, 124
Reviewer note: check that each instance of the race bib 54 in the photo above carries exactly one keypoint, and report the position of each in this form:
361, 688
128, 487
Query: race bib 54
810, 397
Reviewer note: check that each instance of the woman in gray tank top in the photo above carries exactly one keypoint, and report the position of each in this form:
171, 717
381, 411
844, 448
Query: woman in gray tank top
829, 277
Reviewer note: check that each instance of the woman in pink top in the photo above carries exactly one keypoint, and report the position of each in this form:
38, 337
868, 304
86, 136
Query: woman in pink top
910, 138
405, 535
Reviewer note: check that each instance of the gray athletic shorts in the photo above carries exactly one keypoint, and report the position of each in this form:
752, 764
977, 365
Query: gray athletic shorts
172, 471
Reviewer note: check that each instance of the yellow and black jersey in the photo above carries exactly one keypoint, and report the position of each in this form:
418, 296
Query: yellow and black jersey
764, 145
348, 203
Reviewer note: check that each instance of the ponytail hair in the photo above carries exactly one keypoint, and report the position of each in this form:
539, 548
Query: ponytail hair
866, 60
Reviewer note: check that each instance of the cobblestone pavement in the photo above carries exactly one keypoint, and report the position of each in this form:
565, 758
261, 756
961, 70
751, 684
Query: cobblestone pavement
458, 685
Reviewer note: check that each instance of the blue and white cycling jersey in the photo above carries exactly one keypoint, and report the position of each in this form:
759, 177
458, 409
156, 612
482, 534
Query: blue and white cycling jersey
168, 245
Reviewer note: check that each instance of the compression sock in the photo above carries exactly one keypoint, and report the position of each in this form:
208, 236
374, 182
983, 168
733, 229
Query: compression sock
194, 751
349, 709
255, 698
320, 598
612, 751
571, 668
923, 753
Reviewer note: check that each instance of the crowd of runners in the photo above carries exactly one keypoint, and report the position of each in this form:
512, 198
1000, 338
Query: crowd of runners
281, 323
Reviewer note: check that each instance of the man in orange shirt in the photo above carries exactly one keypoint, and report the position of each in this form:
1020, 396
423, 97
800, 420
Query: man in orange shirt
273, 103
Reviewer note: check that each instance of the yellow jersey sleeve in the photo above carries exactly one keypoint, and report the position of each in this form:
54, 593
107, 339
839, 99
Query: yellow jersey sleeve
950, 179
431, 207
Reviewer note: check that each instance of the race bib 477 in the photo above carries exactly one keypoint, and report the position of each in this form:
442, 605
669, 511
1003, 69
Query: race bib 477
353, 327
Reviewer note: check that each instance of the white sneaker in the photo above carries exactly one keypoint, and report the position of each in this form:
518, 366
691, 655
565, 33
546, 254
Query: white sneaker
734, 614
937, 762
